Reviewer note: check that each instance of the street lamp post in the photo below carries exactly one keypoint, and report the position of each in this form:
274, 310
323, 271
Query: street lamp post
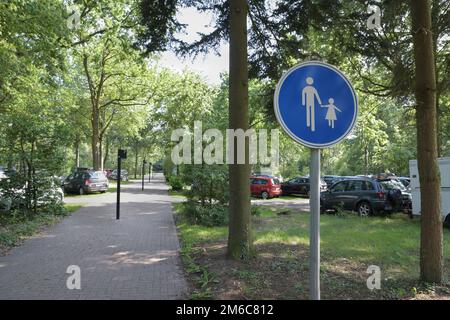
150, 169
121, 154
144, 162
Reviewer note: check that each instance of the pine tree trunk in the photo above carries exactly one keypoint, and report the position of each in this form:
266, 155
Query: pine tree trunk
239, 238
435, 13
431, 255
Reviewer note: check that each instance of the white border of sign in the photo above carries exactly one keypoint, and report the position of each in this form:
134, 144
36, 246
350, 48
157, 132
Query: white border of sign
286, 128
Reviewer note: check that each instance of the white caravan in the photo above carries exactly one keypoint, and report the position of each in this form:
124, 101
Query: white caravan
444, 168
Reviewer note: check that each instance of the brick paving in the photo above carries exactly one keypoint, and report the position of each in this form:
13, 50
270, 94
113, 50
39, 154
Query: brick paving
136, 257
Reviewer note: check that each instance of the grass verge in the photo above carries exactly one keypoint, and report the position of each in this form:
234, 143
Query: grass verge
349, 245
17, 227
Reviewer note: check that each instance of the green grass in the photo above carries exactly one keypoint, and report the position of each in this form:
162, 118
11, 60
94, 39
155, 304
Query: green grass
72, 207
16, 227
390, 242
174, 193
283, 198
190, 237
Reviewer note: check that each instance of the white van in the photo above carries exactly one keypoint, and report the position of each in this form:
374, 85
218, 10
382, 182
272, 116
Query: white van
444, 168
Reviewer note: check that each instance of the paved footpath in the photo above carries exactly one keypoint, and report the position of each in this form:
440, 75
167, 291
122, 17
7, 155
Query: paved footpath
134, 258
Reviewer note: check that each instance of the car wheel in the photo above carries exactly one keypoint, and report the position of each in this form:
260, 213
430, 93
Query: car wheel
265, 195
322, 208
81, 191
364, 209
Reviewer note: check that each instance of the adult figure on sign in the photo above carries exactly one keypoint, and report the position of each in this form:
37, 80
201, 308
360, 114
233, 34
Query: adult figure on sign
309, 96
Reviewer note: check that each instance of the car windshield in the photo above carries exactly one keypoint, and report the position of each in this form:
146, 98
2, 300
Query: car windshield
97, 175
405, 182
276, 181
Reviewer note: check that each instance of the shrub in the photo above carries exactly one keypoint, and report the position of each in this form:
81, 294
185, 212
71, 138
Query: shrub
209, 184
176, 183
256, 210
209, 215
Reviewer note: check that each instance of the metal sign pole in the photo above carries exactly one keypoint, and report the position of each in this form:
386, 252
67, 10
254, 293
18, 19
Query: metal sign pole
314, 242
300, 96
119, 177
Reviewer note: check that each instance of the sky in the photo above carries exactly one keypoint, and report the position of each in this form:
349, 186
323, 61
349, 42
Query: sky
209, 66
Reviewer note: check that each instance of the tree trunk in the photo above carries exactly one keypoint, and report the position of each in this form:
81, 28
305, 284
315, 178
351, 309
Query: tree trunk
107, 147
431, 255
435, 12
100, 152
366, 160
239, 237
77, 151
95, 138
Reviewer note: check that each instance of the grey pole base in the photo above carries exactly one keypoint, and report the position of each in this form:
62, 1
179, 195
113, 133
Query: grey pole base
314, 239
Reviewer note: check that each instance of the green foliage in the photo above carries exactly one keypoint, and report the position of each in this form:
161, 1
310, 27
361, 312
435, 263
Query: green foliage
175, 183
15, 226
206, 214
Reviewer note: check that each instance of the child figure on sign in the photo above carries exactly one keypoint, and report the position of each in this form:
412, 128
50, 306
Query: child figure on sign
331, 113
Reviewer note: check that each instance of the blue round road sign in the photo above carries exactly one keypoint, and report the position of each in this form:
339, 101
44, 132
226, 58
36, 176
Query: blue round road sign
316, 104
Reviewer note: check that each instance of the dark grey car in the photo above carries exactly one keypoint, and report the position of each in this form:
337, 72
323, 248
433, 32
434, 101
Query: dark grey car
363, 195
82, 182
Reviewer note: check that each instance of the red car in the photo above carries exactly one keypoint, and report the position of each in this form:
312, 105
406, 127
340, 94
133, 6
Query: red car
265, 187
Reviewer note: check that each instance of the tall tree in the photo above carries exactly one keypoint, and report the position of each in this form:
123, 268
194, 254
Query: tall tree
114, 73
159, 18
431, 254
239, 236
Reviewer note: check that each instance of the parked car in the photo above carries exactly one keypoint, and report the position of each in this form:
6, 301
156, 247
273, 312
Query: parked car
267, 176
108, 172
300, 185
366, 196
123, 175
157, 167
83, 182
406, 181
265, 187
406, 199
329, 180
